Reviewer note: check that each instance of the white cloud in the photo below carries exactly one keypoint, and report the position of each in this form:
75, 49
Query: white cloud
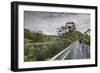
48, 22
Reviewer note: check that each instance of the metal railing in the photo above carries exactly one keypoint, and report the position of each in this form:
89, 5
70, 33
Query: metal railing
63, 54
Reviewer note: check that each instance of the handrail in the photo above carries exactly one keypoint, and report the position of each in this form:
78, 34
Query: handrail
60, 53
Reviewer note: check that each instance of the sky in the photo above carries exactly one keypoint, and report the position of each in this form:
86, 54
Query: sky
48, 22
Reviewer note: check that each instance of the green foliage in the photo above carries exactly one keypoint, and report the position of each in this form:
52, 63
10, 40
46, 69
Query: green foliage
87, 39
27, 34
67, 35
36, 36
40, 52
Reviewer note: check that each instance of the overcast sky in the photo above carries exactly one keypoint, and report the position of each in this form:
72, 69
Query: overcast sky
48, 22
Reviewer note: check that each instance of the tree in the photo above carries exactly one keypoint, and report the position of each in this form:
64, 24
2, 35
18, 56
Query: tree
70, 26
87, 31
61, 30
